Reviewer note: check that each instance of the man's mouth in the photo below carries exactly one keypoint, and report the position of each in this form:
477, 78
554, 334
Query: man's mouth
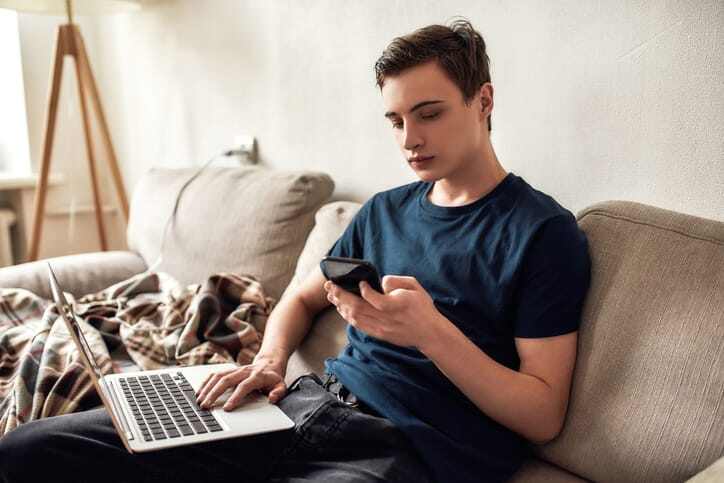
420, 160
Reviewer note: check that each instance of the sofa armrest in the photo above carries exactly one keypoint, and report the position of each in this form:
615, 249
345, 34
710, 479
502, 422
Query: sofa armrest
712, 474
78, 274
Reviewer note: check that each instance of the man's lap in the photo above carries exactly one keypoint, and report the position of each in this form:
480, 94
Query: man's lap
336, 443
85, 447
329, 442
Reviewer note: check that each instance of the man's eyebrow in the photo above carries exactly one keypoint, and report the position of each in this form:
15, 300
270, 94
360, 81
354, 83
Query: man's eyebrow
417, 106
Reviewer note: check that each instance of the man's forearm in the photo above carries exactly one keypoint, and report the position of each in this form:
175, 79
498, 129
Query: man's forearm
285, 329
521, 402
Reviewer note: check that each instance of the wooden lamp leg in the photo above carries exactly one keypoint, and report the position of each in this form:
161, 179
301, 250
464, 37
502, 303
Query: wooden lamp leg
39, 205
89, 143
90, 83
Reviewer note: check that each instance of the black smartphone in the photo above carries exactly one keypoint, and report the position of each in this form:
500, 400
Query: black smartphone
349, 272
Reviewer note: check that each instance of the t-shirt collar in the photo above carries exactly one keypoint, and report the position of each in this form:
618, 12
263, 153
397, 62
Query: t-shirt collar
453, 211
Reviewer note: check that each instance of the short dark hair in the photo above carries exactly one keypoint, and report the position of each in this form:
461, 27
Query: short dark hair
458, 48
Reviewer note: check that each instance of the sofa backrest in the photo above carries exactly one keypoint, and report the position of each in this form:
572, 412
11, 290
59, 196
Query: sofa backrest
646, 401
248, 220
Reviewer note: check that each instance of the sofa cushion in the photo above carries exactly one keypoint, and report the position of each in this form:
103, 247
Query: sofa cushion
247, 220
327, 336
646, 401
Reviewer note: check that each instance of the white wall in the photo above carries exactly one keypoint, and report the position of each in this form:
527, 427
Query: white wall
14, 144
593, 100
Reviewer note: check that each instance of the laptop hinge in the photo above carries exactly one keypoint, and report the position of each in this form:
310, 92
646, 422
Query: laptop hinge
117, 408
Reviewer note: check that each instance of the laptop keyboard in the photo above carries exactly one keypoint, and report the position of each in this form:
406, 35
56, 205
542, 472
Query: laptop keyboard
164, 406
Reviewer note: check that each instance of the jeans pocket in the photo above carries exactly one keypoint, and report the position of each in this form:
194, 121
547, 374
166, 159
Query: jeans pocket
298, 381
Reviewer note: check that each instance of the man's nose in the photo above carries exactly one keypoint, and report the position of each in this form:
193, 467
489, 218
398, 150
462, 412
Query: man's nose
411, 138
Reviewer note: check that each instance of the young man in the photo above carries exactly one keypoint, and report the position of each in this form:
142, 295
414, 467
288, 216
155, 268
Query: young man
467, 354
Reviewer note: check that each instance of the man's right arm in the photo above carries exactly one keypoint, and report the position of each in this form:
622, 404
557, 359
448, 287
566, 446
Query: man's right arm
290, 321
286, 327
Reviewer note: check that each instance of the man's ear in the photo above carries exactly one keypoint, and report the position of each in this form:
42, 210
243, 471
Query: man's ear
486, 99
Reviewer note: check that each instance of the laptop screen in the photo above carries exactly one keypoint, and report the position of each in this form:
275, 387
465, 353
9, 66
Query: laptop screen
66, 311
75, 327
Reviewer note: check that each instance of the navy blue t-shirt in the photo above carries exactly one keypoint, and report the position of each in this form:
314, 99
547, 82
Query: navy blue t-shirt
511, 264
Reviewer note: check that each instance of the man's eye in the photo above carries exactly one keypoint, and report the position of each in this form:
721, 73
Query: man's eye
427, 117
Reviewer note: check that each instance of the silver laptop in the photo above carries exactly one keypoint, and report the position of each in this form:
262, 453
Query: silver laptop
157, 409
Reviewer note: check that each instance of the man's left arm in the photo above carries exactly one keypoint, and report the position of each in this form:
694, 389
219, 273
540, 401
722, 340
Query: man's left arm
532, 401
547, 305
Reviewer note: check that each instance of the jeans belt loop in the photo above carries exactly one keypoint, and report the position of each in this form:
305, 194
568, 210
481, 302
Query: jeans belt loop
328, 380
332, 384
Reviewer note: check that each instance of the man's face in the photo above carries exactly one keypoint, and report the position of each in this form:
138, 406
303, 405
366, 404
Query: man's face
429, 118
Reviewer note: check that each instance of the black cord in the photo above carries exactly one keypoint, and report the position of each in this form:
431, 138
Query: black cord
178, 199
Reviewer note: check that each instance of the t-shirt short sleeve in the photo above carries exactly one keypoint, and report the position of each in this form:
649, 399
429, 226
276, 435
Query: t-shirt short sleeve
554, 279
351, 243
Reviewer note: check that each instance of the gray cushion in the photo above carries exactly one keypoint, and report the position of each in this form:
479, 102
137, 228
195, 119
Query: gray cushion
245, 220
646, 402
327, 336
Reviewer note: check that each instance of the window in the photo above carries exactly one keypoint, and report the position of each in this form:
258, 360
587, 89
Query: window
14, 144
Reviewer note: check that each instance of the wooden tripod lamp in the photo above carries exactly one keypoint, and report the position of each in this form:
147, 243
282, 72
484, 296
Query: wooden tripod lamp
69, 42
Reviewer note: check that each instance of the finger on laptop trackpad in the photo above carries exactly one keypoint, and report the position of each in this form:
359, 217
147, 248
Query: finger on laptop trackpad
224, 397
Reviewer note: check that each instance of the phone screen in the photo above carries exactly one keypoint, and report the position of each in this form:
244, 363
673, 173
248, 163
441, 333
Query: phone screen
348, 273
340, 269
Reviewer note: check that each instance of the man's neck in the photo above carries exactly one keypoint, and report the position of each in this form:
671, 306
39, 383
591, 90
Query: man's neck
479, 179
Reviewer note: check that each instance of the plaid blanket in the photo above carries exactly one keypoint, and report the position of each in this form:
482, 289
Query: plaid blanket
159, 323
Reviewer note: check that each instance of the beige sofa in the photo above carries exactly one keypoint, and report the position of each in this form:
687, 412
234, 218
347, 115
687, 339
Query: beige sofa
646, 401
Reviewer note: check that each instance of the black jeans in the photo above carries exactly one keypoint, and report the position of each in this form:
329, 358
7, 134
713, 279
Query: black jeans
332, 441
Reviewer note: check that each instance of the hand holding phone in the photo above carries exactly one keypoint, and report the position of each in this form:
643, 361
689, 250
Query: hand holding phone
349, 272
